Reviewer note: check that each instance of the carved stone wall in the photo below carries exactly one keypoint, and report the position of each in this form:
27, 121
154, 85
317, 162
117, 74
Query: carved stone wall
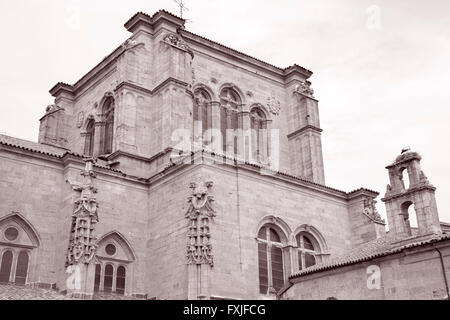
199, 215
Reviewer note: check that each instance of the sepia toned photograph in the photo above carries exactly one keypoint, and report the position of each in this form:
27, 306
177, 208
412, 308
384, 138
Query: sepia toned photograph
200, 151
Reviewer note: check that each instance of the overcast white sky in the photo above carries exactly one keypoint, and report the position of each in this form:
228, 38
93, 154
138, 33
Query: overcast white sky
383, 84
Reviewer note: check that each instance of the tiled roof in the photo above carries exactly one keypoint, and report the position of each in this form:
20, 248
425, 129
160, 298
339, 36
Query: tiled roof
45, 149
17, 292
248, 56
61, 152
374, 249
32, 146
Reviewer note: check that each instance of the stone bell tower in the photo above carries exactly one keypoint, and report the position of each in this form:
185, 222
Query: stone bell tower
420, 194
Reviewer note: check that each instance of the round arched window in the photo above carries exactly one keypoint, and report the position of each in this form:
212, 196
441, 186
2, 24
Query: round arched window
110, 249
11, 233
307, 251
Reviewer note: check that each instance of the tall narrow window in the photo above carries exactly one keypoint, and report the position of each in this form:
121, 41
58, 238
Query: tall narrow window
108, 281
108, 113
270, 260
22, 268
120, 280
202, 111
5, 268
89, 138
229, 120
258, 123
98, 271
409, 217
306, 251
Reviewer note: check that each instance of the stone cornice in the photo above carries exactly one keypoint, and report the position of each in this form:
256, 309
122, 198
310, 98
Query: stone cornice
151, 22
135, 87
235, 55
362, 192
65, 158
166, 82
62, 87
305, 128
410, 191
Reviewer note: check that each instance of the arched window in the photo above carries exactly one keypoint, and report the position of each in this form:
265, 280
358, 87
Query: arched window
108, 113
18, 238
258, 123
115, 259
230, 103
89, 138
202, 110
108, 279
409, 214
270, 260
404, 177
120, 281
98, 274
307, 250
6, 266
22, 268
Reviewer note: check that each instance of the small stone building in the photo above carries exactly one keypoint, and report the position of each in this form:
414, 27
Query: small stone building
179, 168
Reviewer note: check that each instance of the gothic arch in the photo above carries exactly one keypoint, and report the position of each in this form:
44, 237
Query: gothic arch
26, 226
315, 233
279, 225
104, 99
230, 85
87, 121
201, 86
119, 239
259, 106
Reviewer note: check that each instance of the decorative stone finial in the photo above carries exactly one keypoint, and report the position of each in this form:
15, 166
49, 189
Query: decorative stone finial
82, 245
304, 88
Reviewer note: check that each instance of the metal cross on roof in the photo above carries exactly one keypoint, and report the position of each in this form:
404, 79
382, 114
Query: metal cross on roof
182, 6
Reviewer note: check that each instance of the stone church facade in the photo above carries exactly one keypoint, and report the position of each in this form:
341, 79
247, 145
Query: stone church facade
179, 168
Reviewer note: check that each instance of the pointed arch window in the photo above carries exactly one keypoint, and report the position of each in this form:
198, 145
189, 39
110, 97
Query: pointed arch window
202, 110
89, 138
18, 239
270, 260
115, 259
230, 103
307, 250
108, 134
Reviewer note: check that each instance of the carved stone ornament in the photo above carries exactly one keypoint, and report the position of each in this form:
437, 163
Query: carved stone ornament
80, 119
174, 40
52, 108
370, 210
82, 247
129, 43
273, 105
199, 215
304, 88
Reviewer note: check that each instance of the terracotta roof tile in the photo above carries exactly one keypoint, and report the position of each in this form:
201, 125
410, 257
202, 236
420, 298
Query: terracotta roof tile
17, 292
46, 149
374, 249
